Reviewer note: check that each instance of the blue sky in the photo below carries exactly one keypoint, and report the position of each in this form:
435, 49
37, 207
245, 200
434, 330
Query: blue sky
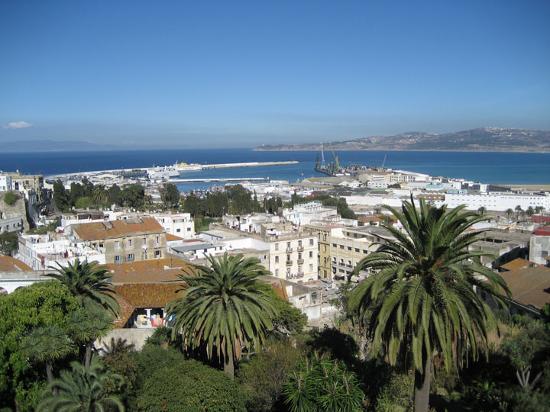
215, 74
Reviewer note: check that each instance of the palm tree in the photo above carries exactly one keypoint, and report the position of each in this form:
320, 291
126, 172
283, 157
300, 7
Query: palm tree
45, 345
509, 213
530, 211
519, 211
539, 209
81, 389
482, 210
118, 345
421, 300
89, 283
226, 309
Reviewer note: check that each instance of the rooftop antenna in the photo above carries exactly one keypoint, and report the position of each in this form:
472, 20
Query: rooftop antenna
384, 161
322, 154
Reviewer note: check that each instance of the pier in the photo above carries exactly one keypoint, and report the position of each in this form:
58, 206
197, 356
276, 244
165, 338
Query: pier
221, 179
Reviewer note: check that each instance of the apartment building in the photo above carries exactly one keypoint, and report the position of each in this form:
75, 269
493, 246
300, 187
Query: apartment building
128, 240
303, 214
349, 246
294, 256
324, 233
177, 224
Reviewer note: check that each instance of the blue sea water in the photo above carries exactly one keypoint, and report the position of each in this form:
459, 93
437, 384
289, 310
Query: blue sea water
527, 168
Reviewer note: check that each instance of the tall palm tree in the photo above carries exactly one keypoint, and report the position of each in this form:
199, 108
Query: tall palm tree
421, 299
45, 345
81, 389
88, 282
226, 308
509, 213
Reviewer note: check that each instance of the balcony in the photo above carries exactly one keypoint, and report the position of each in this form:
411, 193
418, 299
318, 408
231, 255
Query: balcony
300, 261
289, 262
300, 248
288, 250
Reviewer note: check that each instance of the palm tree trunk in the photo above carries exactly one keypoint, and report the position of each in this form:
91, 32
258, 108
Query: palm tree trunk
88, 355
422, 382
229, 367
49, 372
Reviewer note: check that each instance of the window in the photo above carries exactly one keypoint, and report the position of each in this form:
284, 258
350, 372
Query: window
157, 240
311, 242
117, 244
276, 246
130, 242
144, 240
130, 257
341, 246
310, 254
144, 255
300, 243
334, 245
117, 259
288, 245
349, 247
178, 230
311, 268
357, 250
157, 254
276, 259
276, 272
189, 229
365, 251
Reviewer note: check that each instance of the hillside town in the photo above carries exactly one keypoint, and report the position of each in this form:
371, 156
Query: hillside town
310, 240
309, 235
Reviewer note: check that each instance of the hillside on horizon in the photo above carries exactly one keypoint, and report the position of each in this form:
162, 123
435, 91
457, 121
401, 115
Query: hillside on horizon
480, 139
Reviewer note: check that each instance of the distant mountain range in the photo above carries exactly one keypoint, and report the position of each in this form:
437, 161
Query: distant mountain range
53, 146
488, 139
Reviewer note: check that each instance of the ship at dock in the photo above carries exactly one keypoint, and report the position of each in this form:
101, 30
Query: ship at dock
329, 168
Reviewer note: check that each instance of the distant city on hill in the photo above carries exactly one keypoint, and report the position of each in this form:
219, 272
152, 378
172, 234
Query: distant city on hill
480, 139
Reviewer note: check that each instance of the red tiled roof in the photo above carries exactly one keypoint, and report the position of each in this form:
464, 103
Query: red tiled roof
117, 228
542, 231
9, 264
540, 219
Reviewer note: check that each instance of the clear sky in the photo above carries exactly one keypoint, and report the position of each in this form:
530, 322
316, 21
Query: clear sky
243, 73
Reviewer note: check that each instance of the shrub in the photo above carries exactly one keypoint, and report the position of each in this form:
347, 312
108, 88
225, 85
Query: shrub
10, 198
189, 385
262, 377
323, 385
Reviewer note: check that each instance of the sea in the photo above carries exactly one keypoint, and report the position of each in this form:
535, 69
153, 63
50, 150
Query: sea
486, 167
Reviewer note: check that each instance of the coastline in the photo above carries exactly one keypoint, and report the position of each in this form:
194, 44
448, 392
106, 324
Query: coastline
347, 149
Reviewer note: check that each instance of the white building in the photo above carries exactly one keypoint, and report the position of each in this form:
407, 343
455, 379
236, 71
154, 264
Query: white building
11, 224
5, 183
496, 201
539, 246
177, 224
294, 256
41, 252
305, 213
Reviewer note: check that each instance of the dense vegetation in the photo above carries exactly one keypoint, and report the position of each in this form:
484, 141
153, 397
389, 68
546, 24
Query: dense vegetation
8, 243
408, 338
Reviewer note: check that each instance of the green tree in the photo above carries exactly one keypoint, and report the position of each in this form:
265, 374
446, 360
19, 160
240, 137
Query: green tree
170, 195
522, 347
482, 210
420, 300
530, 211
10, 198
114, 194
133, 196
86, 325
61, 196
81, 389
46, 345
41, 305
509, 213
322, 384
226, 309
263, 377
89, 283
9, 243
189, 385
83, 202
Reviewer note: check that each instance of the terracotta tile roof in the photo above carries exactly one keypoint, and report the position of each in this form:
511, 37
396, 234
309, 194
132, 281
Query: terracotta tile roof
542, 231
142, 295
117, 228
529, 286
518, 263
148, 271
9, 264
170, 237
540, 219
